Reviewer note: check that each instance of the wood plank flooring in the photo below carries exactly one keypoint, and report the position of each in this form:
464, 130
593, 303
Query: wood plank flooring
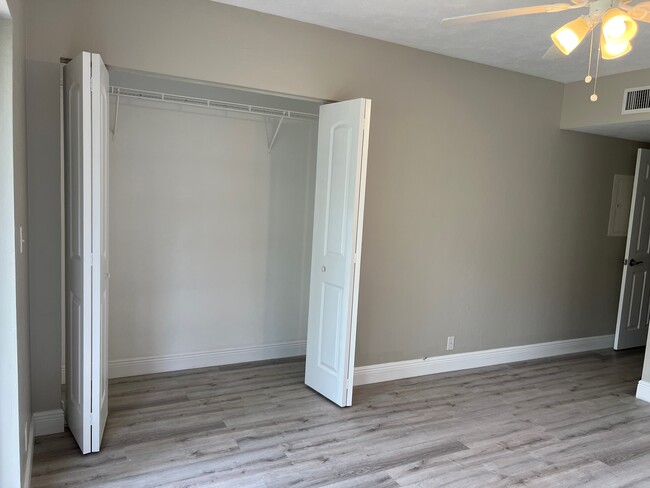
560, 422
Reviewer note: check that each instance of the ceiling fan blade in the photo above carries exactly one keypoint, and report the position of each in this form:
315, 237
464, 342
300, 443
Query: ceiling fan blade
640, 11
513, 12
553, 53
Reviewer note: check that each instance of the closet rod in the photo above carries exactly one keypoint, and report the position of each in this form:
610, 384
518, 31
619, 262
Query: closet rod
119, 91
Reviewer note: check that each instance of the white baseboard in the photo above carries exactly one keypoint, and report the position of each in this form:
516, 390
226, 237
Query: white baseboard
377, 373
363, 375
48, 422
175, 362
27, 481
643, 391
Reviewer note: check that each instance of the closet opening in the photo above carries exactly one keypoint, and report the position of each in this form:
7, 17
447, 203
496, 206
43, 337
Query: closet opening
210, 223
205, 225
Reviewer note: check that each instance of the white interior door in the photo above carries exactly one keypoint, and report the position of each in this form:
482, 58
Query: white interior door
336, 249
86, 170
633, 310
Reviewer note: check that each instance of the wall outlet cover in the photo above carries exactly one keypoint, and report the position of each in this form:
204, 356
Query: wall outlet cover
450, 343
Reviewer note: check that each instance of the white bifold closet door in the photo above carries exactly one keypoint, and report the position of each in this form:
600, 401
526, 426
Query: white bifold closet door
86, 248
336, 249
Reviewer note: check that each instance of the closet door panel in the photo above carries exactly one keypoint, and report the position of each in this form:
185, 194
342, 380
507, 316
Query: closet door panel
336, 248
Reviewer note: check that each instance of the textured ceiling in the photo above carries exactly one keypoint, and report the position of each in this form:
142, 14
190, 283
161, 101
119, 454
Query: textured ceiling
515, 44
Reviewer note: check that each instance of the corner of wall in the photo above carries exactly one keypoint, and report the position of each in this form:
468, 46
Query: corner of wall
48, 422
643, 391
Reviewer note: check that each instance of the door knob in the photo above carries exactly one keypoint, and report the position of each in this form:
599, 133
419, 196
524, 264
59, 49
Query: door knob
323, 269
634, 262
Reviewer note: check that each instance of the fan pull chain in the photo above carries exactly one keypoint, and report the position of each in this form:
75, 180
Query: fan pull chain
593, 96
591, 52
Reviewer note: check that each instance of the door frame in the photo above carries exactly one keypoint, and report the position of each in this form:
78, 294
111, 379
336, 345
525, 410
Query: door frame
11, 375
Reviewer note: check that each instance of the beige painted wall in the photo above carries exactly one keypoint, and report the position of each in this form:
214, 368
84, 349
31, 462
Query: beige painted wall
579, 111
483, 219
210, 233
44, 188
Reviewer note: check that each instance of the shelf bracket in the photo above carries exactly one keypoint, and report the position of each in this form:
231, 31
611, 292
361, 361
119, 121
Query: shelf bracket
117, 109
276, 131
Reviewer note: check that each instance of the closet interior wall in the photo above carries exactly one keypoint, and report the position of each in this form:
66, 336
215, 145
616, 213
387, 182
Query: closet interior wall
210, 232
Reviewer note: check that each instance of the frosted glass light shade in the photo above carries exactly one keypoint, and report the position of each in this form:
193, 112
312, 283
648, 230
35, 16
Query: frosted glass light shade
613, 49
570, 35
618, 26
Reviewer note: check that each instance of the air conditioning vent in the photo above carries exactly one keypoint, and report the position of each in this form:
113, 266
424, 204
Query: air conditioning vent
636, 100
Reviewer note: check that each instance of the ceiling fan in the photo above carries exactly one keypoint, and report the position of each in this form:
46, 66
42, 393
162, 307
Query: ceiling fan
616, 16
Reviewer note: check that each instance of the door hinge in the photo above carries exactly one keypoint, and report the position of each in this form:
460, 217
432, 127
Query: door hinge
92, 84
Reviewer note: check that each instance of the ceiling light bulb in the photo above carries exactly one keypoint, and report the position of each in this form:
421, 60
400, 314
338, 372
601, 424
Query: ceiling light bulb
618, 26
617, 49
570, 35
614, 28
612, 50
568, 40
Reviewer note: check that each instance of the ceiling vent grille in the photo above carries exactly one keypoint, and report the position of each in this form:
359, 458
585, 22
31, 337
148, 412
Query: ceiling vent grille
636, 100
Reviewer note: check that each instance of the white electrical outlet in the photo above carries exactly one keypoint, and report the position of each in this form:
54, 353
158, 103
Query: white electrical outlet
450, 343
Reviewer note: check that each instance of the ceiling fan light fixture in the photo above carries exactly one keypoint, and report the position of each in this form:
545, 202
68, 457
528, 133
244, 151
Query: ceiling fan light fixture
618, 26
570, 35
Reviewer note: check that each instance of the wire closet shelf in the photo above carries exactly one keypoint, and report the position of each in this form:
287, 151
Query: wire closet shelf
119, 92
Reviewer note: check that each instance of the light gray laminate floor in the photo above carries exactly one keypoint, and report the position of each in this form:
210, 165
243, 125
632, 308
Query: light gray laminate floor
567, 421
